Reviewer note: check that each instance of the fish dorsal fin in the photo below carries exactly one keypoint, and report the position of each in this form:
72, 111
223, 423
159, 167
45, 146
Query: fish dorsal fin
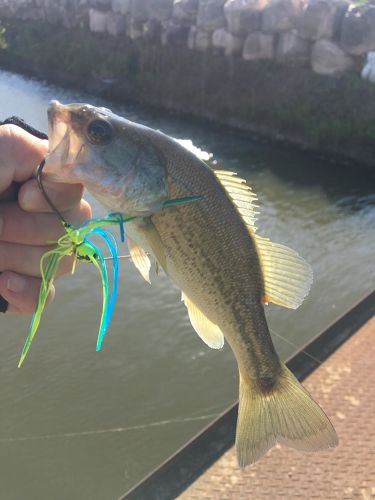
287, 276
140, 259
208, 331
242, 196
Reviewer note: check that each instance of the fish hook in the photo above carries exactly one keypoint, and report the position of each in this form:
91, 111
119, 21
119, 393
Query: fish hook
46, 196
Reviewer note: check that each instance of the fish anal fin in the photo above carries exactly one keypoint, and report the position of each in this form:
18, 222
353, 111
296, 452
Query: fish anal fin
140, 259
207, 331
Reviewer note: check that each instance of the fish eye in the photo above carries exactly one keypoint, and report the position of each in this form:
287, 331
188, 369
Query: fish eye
99, 132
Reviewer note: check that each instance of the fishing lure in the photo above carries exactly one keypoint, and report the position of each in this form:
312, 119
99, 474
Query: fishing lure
75, 242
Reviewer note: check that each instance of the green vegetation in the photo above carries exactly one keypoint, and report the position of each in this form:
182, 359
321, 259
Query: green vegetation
289, 103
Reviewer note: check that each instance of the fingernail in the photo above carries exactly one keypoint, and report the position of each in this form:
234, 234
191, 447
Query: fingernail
16, 283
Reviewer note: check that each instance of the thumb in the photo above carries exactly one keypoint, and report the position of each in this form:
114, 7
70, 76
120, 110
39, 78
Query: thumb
20, 154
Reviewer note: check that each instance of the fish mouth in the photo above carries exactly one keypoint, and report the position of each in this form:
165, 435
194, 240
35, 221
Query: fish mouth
58, 120
64, 145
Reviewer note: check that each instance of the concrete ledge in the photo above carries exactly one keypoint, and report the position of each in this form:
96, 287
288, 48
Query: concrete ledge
186, 465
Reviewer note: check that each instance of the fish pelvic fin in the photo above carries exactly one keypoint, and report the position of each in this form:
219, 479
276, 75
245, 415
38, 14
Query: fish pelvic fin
140, 259
284, 414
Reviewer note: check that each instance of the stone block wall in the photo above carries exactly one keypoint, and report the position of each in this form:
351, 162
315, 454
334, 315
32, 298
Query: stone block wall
330, 36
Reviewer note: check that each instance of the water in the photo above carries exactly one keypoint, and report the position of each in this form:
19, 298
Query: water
76, 424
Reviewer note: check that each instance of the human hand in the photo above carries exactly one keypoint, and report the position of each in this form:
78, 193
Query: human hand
27, 224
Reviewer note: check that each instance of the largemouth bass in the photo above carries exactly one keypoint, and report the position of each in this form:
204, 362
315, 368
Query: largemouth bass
212, 252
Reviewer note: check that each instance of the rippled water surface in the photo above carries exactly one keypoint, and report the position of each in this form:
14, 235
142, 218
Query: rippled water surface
79, 424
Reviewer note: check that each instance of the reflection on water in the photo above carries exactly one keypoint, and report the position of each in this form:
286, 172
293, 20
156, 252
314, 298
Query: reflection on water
77, 424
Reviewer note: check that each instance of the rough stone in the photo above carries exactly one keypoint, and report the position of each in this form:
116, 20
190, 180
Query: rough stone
42, 15
327, 58
121, 6
160, 9
98, 21
258, 46
210, 15
203, 40
199, 39
139, 10
226, 42
30, 13
152, 30
292, 49
103, 5
115, 24
52, 15
191, 37
134, 28
68, 19
185, 11
321, 19
358, 30
174, 33
280, 15
368, 72
243, 16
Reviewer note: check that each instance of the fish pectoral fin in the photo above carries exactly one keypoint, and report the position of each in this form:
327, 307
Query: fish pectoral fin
140, 259
287, 276
208, 331
156, 247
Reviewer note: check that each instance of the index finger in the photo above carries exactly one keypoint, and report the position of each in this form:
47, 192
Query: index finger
20, 154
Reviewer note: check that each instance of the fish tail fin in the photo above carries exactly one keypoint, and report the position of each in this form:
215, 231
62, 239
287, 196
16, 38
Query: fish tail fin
285, 414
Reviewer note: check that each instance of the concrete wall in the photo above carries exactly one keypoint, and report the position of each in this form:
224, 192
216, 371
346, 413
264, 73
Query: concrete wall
283, 70
329, 36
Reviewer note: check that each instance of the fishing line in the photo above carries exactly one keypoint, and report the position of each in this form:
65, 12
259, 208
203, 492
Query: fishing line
128, 256
296, 346
177, 420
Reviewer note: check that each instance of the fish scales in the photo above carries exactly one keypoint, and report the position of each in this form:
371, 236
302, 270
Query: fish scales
212, 258
210, 250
